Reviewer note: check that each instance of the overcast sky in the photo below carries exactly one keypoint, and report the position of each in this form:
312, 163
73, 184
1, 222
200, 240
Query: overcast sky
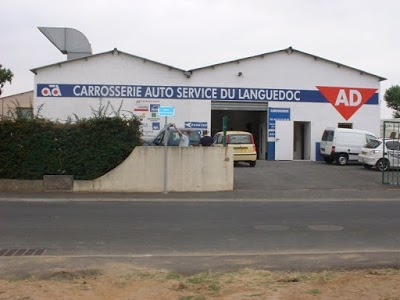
187, 34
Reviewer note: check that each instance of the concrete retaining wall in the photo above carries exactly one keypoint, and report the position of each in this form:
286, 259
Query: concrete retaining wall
189, 169
14, 185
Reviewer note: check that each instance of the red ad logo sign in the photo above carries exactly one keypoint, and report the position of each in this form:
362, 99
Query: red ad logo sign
346, 100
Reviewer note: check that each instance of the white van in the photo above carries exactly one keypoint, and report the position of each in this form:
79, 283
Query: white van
343, 144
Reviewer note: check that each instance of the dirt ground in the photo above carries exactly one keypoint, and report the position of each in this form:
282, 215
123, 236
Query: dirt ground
146, 284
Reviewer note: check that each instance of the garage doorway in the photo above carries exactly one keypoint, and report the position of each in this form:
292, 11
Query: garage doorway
249, 118
301, 140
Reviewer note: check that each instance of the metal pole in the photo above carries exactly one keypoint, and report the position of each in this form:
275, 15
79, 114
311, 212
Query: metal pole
166, 137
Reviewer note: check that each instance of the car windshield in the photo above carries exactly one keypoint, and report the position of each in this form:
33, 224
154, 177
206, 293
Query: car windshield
373, 144
240, 139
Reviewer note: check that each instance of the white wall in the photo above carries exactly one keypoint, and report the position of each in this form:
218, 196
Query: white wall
279, 70
118, 69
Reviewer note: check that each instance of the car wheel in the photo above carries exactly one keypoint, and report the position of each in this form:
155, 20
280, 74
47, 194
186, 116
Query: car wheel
328, 160
367, 166
382, 165
252, 163
342, 159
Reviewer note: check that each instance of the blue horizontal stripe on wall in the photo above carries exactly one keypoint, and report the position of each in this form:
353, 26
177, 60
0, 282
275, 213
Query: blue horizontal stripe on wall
55, 90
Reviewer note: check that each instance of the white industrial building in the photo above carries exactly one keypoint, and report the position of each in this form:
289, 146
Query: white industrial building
285, 98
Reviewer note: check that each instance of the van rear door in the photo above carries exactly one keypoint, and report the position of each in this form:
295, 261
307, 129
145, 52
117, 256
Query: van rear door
327, 142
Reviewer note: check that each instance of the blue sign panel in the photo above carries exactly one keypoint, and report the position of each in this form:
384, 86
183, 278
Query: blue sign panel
154, 107
155, 126
277, 114
271, 133
166, 111
197, 125
182, 92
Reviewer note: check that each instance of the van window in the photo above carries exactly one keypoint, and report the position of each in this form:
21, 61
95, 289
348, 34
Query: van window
328, 136
370, 137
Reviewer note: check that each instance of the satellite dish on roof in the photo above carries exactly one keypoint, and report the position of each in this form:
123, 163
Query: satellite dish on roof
69, 41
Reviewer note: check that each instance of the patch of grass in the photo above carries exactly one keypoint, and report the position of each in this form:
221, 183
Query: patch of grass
388, 271
72, 275
209, 280
289, 279
315, 292
203, 278
214, 287
255, 295
173, 276
21, 277
192, 298
304, 277
145, 276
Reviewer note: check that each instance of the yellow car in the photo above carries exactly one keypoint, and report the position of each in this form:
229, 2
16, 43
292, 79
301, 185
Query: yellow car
242, 143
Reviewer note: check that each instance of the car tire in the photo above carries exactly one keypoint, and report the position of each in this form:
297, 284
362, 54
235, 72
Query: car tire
342, 159
367, 166
382, 165
252, 163
328, 160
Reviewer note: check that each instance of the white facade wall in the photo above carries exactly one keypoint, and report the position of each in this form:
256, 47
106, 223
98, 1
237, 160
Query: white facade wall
288, 70
116, 68
281, 70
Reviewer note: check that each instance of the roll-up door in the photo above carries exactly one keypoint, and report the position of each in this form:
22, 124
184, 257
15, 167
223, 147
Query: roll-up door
234, 105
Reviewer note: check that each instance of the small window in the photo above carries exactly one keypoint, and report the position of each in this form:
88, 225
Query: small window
345, 125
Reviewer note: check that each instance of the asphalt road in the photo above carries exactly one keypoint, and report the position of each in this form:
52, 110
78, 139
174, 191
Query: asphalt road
281, 215
150, 232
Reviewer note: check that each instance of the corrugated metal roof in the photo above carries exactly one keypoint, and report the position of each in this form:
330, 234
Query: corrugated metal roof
104, 53
288, 50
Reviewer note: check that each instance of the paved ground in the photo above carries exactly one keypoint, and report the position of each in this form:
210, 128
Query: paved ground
269, 180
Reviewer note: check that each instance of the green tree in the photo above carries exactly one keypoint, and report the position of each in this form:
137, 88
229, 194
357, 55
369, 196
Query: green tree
392, 98
5, 75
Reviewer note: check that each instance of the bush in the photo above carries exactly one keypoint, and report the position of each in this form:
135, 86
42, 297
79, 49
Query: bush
87, 149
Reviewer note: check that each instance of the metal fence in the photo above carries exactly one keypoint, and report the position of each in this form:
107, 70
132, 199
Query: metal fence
391, 130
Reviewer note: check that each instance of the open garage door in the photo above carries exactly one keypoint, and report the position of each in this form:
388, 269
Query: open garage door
251, 117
